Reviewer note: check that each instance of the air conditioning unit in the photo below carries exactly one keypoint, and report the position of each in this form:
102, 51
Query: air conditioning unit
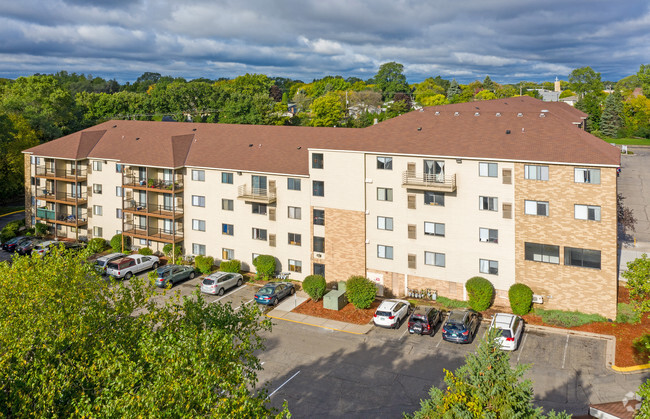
538, 299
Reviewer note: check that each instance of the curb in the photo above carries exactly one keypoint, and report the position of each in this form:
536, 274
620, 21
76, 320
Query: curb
315, 325
628, 370
11, 213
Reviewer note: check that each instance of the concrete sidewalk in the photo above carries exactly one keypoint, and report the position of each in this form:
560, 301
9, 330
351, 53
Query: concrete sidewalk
283, 311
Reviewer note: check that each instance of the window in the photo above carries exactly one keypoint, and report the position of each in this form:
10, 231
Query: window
198, 249
384, 194
259, 208
542, 252
198, 225
434, 259
145, 242
434, 229
385, 163
97, 166
536, 208
118, 213
488, 203
536, 172
295, 266
507, 210
411, 231
259, 234
317, 161
98, 231
319, 217
410, 201
198, 175
488, 169
506, 175
587, 176
98, 210
412, 261
488, 235
319, 269
227, 204
385, 223
198, 201
587, 212
227, 229
226, 177
97, 188
295, 239
434, 198
294, 213
272, 240
227, 254
119, 191
118, 168
488, 266
318, 188
582, 257
293, 184
384, 252
319, 244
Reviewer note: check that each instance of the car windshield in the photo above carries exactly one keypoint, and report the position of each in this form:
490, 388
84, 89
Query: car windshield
266, 291
418, 318
100, 263
207, 281
164, 273
506, 333
454, 326
112, 265
383, 313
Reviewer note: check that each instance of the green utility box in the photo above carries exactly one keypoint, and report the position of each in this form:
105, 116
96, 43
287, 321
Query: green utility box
335, 299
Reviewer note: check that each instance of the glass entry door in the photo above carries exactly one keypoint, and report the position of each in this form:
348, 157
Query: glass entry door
434, 171
259, 185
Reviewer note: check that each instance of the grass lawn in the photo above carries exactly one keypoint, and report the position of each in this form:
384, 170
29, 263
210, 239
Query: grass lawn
7, 210
628, 141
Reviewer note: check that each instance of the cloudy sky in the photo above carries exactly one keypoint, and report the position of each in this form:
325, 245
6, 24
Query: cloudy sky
510, 40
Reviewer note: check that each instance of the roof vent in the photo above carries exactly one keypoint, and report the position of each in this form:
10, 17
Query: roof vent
520, 114
456, 113
507, 131
419, 128
114, 126
250, 145
542, 115
421, 109
477, 114
498, 113
299, 148
193, 129
437, 113
137, 138
544, 110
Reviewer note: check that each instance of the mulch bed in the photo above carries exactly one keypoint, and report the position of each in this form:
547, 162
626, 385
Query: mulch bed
348, 314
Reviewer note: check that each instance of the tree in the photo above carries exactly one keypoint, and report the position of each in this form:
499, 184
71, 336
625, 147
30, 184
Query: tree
427, 88
485, 95
390, 79
434, 100
453, 91
585, 80
644, 393
75, 346
612, 117
488, 84
403, 97
644, 78
590, 104
327, 111
15, 136
275, 93
636, 111
365, 99
638, 282
485, 387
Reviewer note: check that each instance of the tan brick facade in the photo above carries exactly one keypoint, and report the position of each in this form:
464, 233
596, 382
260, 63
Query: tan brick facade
568, 287
345, 249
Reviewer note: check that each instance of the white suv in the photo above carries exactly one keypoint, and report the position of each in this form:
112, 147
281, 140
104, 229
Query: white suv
43, 248
390, 313
511, 328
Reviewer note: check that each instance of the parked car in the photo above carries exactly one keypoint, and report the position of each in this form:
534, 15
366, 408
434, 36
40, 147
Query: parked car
43, 248
273, 292
170, 274
103, 261
461, 326
130, 265
423, 320
390, 313
219, 282
511, 327
10, 245
25, 247
72, 245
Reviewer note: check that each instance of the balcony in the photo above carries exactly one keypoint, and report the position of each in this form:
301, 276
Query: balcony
437, 183
154, 210
61, 197
263, 196
61, 217
66, 175
153, 184
152, 233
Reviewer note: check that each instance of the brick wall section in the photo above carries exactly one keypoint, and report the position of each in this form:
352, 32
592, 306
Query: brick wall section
571, 288
345, 244
28, 191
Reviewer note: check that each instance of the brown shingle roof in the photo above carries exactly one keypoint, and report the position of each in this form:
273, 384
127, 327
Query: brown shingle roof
450, 130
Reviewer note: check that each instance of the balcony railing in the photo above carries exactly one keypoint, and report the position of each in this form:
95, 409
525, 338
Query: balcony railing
153, 233
153, 209
62, 217
429, 182
66, 174
263, 195
50, 195
154, 184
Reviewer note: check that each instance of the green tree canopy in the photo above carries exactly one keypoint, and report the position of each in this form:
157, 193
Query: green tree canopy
612, 117
644, 78
390, 79
638, 282
590, 103
453, 91
327, 111
488, 84
15, 136
76, 346
585, 80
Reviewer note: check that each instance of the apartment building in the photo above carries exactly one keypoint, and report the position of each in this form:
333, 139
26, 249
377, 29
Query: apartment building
513, 190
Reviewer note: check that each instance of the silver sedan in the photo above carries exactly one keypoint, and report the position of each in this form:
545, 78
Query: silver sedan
218, 282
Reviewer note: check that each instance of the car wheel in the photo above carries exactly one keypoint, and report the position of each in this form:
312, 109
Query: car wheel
292, 291
192, 275
274, 301
239, 282
128, 275
221, 291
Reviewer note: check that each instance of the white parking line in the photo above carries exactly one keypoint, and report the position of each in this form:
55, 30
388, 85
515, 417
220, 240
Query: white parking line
244, 303
276, 390
400, 338
566, 346
439, 342
230, 293
521, 347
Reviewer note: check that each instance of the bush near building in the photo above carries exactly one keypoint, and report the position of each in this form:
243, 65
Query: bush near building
480, 292
204, 263
96, 245
360, 291
116, 243
145, 251
230, 266
314, 286
521, 299
265, 265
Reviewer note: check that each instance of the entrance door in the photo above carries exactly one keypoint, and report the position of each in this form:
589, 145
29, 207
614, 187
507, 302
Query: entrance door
142, 175
168, 226
167, 202
259, 185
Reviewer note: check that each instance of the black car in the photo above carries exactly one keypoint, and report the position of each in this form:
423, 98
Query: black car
461, 326
12, 245
424, 320
25, 247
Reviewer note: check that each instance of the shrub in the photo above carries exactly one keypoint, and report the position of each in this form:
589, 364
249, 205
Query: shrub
360, 291
167, 250
480, 292
265, 265
145, 251
627, 314
116, 243
567, 318
230, 266
96, 245
521, 299
451, 303
314, 286
204, 263
641, 346
40, 229
6, 235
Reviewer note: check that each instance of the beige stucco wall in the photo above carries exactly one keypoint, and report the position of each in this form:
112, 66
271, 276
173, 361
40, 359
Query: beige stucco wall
108, 199
569, 287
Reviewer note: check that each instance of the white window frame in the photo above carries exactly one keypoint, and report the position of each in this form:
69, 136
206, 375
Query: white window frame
198, 201
385, 194
297, 239
198, 249
227, 229
259, 234
488, 235
227, 204
119, 213
486, 169
98, 231
293, 184
435, 259
438, 198
98, 210
487, 266
227, 178
228, 253
295, 265
198, 225
536, 172
384, 252
533, 207
434, 229
97, 188
385, 223
585, 175
198, 175
97, 166
488, 203
384, 163
295, 213
119, 191
586, 212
